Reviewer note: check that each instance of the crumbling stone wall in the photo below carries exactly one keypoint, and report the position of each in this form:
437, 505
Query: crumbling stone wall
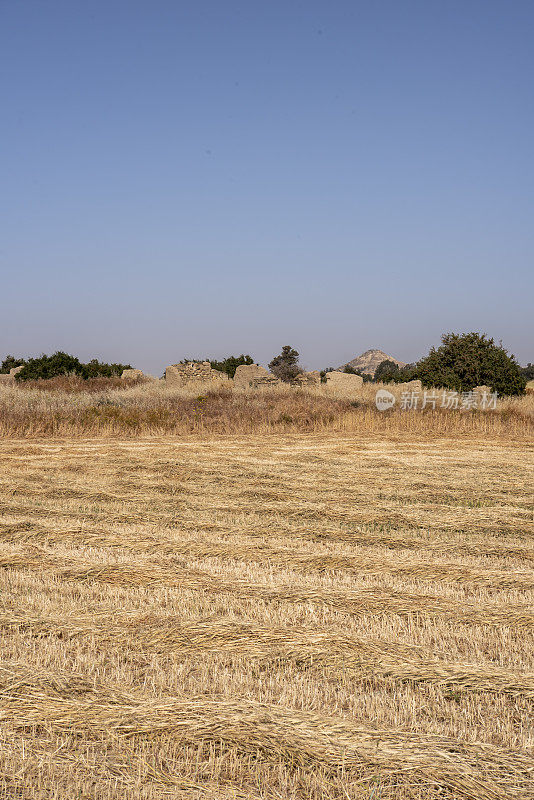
246, 374
307, 379
265, 380
9, 380
344, 381
193, 371
132, 374
253, 376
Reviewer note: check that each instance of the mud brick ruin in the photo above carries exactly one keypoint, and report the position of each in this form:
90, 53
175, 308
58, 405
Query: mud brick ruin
252, 375
9, 380
193, 372
343, 380
307, 379
132, 374
265, 380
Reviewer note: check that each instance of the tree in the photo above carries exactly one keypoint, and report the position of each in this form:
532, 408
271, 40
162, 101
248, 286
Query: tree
528, 372
49, 366
9, 363
61, 363
353, 371
385, 371
99, 369
464, 361
231, 363
285, 366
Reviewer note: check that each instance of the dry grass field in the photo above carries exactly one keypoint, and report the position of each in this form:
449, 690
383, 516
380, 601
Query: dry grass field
111, 407
322, 614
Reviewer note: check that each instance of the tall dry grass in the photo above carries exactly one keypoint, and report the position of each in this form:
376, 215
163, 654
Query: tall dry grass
74, 384
107, 407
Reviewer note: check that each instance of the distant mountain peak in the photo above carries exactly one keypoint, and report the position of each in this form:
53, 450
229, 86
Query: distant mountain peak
369, 361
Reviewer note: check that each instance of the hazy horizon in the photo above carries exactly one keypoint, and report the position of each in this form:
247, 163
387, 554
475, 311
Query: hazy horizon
215, 179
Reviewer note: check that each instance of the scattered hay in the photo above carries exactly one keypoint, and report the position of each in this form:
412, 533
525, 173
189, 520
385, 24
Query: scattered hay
187, 619
281, 734
342, 656
371, 601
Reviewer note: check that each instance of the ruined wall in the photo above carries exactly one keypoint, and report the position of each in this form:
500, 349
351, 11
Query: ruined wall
9, 380
344, 381
193, 372
312, 378
265, 380
246, 374
132, 374
253, 376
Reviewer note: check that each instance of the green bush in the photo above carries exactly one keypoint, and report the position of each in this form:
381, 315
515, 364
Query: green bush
99, 369
464, 361
9, 363
231, 363
385, 370
228, 365
61, 363
398, 375
353, 371
49, 366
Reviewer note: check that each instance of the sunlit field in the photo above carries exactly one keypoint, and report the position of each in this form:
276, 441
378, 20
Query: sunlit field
335, 606
111, 407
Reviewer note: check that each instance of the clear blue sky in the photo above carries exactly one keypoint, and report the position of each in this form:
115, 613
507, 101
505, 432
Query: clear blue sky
206, 178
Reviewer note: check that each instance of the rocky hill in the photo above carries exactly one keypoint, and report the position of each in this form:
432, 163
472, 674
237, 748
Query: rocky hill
369, 361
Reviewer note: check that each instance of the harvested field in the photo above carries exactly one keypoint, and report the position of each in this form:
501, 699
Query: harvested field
324, 615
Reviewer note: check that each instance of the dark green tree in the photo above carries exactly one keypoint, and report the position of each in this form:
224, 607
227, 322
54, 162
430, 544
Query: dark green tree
9, 363
528, 372
385, 371
99, 369
464, 361
231, 363
49, 366
353, 371
286, 365
61, 363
